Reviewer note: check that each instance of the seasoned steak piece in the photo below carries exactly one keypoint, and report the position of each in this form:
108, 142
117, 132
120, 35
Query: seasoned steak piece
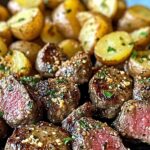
3, 129
90, 134
15, 103
48, 60
78, 69
43, 136
85, 110
141, 89
109, 89
59, 96
134, 120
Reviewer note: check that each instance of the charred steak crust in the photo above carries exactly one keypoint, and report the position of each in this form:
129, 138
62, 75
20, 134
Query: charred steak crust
109, 88
49, 59
15, 103
134, 120
78, 69
43, 136
85, 110
90, 134
141, 89
59, 97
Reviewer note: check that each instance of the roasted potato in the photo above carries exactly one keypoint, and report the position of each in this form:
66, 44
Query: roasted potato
52, 3
139, 63
30, 49
141, 37
27, 24
105, 7
24, 4
134, 18
93, 30
4, 14
5, 32
18, 63
3, 47
50, 33
64, 16
114, 48
70, 47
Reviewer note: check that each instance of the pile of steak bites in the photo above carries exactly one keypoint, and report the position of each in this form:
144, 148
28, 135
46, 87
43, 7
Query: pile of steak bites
61, 113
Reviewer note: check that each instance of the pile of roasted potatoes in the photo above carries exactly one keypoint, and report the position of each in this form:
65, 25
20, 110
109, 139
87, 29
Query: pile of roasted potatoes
107, 29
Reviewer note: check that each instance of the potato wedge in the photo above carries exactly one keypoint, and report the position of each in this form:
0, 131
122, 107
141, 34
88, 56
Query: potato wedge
50, 33
18, 63
5, 33
93, 30
114, 48
105, 7
27, 24
70, 47
141, 37
4, 14
139, 63
3, 47
31, 4
134, 18
64, 16
122, 6
30, 49
52, 3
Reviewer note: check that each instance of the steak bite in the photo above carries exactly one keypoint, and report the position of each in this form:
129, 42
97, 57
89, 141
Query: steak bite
49, 59
109, 89
3, 129
134, 120
141, 89
78, 69
90, 134
43, 136
85, 110
59, 96
15, 103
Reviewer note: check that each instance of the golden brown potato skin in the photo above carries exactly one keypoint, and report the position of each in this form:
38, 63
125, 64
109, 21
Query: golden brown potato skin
134, 18
30, 49
4, 14
64, 16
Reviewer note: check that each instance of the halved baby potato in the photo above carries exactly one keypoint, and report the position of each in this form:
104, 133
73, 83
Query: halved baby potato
64, 16
27, 24
30, 49
3, 47
105, 7
134, 18
114, 48
93, 30
70, 47
18, 63
141, 37
139, 63
5, 32
31, 4
50, 33
4, 14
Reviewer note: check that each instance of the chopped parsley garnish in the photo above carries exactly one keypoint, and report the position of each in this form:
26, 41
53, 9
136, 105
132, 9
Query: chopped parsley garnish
107, 94
83, 124
52, 93
68, 140
21, 19
1, 114
63, 80
2, 67
102, 74
29, 80
131, 43
103, 4
145, 34
30, 104
134, 54
111, 49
